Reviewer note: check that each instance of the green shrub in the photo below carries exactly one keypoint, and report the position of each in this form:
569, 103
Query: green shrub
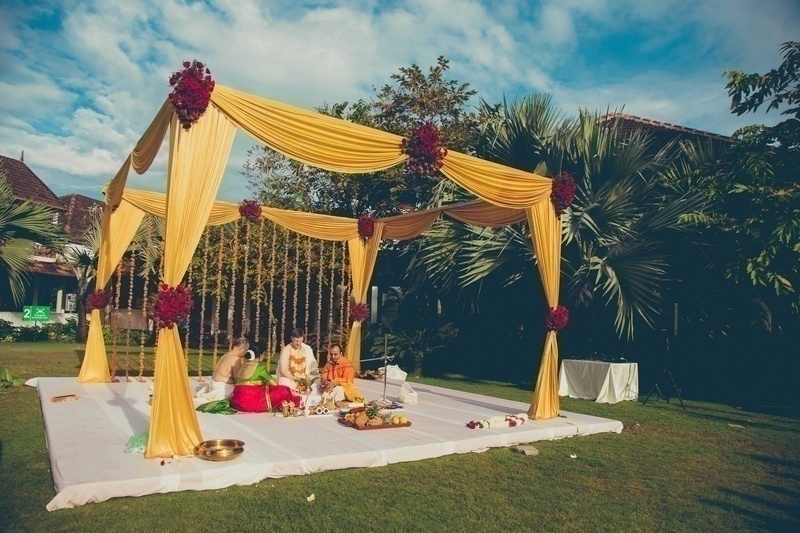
7, 331
61, 332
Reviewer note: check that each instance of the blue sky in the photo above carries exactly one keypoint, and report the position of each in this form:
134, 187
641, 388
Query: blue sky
80, 81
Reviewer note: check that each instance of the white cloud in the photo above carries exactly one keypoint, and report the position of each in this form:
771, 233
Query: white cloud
78, 98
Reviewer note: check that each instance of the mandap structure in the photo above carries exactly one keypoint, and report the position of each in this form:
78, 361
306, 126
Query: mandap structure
202, 120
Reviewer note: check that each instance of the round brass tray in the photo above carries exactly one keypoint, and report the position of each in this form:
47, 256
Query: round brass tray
219, 449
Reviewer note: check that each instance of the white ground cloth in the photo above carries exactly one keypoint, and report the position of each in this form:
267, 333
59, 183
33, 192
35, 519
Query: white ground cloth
86, 439
599, 381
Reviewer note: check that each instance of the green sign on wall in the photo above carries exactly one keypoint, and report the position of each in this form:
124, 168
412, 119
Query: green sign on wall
36, 313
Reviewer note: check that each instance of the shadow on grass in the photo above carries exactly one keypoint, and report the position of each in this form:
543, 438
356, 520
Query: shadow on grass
487, 380
762, 520
775, 462
742, 418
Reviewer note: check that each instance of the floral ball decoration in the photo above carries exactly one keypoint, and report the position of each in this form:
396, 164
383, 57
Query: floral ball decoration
424, 149
366, 226
359, 312
170, 305
563, 192
251, 210
98, 300
191, 92
558, 318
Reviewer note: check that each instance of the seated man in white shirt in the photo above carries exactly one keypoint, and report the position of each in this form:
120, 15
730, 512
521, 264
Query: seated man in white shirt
297, 362
221, 384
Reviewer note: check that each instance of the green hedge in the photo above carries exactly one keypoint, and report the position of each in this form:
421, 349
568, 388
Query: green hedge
51, 331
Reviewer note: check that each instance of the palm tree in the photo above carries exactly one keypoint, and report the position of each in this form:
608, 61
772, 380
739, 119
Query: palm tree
83, 261
617, 235
23, 225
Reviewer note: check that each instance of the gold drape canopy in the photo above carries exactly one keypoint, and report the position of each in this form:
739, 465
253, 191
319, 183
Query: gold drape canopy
333, 228
341, 146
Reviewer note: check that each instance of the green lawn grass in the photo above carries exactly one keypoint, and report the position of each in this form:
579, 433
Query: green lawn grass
693, 470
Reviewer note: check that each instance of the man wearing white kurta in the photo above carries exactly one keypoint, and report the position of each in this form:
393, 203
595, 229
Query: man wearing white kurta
297, 360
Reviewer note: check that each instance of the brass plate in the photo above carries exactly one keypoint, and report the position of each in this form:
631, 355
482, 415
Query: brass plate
219, 449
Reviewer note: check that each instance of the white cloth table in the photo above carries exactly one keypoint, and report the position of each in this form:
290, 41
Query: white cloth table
599, 381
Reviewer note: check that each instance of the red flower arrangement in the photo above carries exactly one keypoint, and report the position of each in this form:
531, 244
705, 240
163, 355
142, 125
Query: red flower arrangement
251, 210
558, 318
170, 305
366, 226
359, 312
563, 192
98, 300
191, 92
425, 151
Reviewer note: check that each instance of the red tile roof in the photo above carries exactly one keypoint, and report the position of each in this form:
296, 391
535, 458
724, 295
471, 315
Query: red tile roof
629, 123
52, 269
26, 185
78, 217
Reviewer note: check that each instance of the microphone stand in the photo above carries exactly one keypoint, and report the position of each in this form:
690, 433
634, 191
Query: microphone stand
385, 358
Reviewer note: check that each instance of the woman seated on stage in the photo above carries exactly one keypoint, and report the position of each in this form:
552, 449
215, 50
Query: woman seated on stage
255, 391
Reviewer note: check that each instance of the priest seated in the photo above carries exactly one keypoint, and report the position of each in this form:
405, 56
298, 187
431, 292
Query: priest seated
337, 378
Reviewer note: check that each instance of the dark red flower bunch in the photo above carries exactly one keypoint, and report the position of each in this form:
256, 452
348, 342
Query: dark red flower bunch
170, 305
512, 421
251, 210
563, 192
366, 226
558, 318
425, 151
191, 92
98, 300
472, 424
359, 312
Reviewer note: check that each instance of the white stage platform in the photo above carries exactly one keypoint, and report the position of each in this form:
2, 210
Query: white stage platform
86, 439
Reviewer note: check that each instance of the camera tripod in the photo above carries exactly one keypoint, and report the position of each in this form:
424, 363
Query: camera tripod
657, 388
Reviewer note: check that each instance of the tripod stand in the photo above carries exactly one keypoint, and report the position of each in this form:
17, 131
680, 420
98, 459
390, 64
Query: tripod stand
657, 388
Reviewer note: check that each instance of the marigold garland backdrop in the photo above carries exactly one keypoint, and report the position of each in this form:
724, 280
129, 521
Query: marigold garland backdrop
197, 159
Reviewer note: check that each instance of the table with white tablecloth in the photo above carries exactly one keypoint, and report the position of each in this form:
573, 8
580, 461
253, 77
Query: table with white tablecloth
599, 381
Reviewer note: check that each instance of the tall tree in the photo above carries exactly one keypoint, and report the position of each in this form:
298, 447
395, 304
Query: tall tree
412, 98
761, 185
617, 233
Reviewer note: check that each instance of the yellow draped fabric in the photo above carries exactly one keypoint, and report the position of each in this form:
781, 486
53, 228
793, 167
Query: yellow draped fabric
143, 154
312, 138
340, 146
546, 235
325, 227
410, 225
119, 227
484, 214
155, 203
362, 262
497, 184
197, 161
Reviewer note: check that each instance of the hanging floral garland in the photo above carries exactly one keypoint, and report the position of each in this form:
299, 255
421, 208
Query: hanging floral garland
132, 273
359, 312
191, 92
563, 193
424, 149
558, 318
366, 226
170, 305
204, 295
98, 300
251, 210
